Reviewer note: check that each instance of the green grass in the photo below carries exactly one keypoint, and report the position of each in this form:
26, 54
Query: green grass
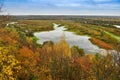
35, 39
113, 36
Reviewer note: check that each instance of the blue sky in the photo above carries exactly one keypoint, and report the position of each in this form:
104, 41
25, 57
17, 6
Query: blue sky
62, 7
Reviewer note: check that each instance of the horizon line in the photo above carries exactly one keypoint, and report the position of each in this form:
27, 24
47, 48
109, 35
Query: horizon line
53, 15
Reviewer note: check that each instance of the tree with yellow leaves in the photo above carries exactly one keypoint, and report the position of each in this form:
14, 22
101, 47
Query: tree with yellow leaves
9, 66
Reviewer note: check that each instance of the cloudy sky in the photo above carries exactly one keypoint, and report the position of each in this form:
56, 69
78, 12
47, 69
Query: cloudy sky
62, 7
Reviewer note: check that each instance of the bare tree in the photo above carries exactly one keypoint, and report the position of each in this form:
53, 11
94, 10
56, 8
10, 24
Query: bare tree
1, 5
3, 18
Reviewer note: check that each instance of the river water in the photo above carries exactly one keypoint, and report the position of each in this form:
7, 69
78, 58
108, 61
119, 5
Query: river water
117, 26
73, 39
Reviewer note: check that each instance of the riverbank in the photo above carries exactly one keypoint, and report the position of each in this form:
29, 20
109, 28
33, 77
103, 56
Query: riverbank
83, 29
95, 31
101, 44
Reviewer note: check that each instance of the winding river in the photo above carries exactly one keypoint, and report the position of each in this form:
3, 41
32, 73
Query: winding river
73, 39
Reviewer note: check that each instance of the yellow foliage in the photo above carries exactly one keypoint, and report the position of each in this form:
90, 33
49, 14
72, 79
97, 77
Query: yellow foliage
90, 56
9, 66
29, 40
62, 48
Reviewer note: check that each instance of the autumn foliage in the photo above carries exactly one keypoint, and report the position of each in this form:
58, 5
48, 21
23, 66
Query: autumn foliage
101, 43
22, 59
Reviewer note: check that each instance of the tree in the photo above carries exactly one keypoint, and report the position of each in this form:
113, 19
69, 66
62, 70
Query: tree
77, 52
1, 5
3, 18
9, 65
103, 67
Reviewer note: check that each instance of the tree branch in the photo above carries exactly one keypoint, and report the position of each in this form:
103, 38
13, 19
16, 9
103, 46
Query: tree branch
1, 5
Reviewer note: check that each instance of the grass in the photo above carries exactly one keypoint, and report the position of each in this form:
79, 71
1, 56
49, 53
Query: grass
100, 43
95, 31
35, 38
113, 36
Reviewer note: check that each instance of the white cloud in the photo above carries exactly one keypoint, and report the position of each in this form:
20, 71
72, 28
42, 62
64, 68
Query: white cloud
64, 7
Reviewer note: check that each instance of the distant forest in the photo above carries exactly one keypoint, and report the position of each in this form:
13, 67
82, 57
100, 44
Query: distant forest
60, 17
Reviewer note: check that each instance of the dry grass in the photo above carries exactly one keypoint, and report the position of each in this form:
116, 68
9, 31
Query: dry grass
101, 43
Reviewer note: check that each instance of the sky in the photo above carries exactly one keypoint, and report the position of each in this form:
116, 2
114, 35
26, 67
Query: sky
62, 7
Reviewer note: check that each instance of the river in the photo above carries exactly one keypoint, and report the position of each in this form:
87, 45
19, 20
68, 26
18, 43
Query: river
117, 26
73, 39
